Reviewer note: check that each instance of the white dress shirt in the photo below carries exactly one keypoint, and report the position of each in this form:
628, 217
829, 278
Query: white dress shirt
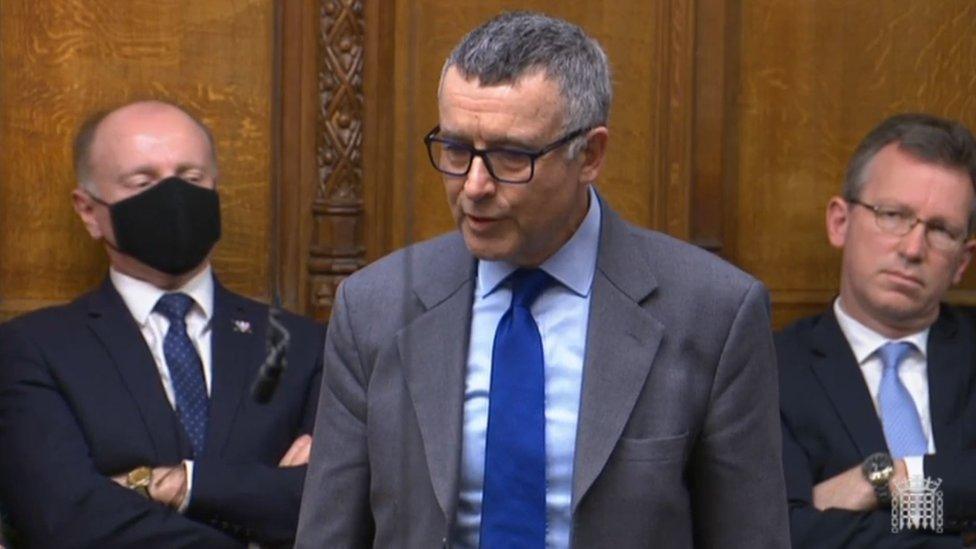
913, 372
140, 298
561, 312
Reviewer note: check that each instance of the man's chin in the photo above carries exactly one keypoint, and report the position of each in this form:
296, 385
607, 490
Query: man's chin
908, 314
487, 249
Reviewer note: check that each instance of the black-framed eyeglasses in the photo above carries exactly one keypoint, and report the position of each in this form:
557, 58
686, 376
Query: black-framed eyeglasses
899, 222
505, 164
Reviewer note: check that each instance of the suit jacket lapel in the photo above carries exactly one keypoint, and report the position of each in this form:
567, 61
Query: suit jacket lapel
837, 370
622, 341
237, 347
433, 351
113, 325
948, 362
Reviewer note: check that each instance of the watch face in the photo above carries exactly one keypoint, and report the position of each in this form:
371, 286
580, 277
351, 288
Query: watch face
878, 477
878, 468
140, 476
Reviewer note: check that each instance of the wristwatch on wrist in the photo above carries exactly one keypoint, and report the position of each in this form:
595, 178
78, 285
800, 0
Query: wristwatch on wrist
878, 470
138, 479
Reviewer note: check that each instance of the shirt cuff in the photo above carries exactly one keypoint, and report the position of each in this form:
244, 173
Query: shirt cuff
188, 466
915, 466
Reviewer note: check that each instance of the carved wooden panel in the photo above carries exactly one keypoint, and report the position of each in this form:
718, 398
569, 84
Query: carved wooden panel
337, 248
60, 61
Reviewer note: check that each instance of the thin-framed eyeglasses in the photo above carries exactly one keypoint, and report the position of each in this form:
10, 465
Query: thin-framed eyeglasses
899, 222
504, 164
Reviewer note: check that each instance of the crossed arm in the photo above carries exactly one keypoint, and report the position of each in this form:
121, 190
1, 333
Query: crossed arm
851, 491
842, 511
169, 485
55, 495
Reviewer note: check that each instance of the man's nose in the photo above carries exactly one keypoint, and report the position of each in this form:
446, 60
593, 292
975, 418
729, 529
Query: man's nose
913, 244
479, 183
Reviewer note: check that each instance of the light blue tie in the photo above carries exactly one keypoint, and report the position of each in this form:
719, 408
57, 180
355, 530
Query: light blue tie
899, 416
513, 506
185, 369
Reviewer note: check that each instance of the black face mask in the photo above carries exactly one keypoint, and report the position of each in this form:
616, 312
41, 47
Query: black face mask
171, 227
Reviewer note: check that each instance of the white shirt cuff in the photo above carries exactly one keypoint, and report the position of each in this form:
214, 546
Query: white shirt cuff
188, 466
915, 466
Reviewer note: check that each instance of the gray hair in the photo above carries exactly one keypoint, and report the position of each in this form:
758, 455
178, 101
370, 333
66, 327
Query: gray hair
929, 138
85, 139
514, 44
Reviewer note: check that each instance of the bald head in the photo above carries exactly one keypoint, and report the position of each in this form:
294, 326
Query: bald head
141, 122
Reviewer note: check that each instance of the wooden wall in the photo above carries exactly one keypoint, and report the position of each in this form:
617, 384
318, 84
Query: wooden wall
815, 76
431, 28
61, 61
732, 121
731, 125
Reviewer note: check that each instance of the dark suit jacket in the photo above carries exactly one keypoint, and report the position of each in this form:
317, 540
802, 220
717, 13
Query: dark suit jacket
81, 400
830, 425
678, 439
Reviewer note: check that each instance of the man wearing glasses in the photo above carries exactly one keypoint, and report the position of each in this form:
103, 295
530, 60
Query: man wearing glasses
875, 390
548, 375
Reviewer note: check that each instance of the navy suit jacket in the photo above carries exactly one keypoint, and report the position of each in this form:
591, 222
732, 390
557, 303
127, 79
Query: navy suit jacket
81, 400
830, 425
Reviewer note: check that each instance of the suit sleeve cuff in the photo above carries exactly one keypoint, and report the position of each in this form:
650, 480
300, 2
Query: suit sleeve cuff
188, 467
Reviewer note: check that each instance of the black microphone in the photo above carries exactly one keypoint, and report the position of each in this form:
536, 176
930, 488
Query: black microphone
274, 364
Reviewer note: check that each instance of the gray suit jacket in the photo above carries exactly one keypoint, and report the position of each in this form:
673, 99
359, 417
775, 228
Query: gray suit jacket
678, 440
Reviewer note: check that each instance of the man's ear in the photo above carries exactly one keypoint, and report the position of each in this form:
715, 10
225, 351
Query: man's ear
85, 208
593, 154
838, 221
967, 256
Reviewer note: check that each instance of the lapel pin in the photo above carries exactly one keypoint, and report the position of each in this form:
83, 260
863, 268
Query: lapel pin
242, 326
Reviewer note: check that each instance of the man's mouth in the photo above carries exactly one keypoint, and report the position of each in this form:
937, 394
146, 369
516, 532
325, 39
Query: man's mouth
905, 278
480, 222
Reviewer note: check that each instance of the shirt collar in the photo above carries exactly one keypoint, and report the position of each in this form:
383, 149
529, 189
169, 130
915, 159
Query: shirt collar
572, 265
864, 341
140, 297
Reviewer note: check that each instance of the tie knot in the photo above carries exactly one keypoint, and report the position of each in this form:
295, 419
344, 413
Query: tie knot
174, 306
893, 352
527, 284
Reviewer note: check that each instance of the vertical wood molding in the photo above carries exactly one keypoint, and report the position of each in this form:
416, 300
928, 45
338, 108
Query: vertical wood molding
336, 249
678, 116
729, 107
693, 120
286, 184
712, 201
379, 128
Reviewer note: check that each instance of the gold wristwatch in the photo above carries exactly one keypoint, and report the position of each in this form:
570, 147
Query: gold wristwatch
138, 479
878, 469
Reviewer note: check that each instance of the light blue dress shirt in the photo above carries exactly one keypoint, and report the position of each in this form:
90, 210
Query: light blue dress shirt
561, 313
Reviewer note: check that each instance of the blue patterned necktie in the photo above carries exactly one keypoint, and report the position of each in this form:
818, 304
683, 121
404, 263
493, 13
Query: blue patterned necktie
185, 369
513, 509
899, 416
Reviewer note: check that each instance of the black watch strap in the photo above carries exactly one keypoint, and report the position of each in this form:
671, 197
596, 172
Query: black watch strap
883, 493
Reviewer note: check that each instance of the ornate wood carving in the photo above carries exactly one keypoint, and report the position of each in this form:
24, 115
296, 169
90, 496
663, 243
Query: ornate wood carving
337, 248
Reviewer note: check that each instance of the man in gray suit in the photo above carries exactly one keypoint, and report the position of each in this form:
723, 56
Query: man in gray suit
548, 375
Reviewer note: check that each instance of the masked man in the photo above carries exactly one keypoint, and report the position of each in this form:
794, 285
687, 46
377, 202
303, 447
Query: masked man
125, 416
